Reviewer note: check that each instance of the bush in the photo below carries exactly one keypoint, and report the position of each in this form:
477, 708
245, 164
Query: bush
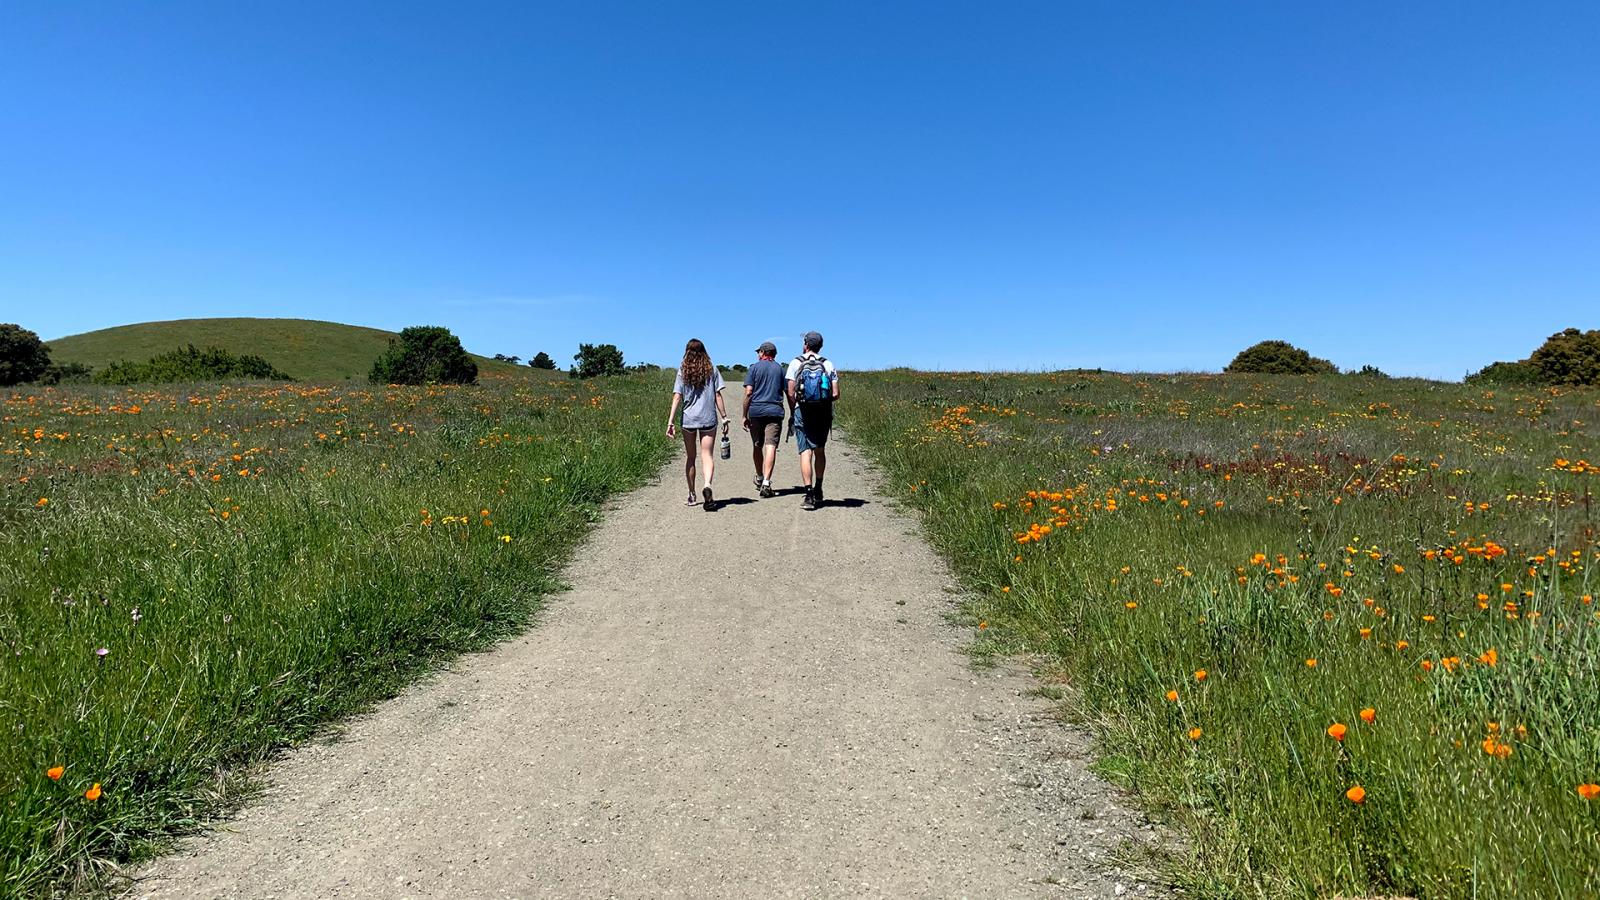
506, 358
542, 360
68, 373
594, 360
1505, 373
23, 357
190, 364
1279, 358
1571, 357
1368, 371
425, 354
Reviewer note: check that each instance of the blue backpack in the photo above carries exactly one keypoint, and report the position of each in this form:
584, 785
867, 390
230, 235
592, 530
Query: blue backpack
813, 385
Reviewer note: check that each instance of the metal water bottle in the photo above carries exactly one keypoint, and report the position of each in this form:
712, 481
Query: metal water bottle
727, 448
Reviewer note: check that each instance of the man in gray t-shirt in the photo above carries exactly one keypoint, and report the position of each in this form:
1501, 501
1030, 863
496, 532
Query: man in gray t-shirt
813, 416
763, 414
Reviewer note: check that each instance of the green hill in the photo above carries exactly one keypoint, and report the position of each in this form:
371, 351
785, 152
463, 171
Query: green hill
306, 349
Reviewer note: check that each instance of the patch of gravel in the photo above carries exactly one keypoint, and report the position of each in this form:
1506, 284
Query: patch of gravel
753, 702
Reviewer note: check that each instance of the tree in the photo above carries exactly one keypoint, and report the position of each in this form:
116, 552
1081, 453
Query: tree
23, 357
594, 360
1279, 358
425, 354
1368, 371
514, 360
542, 360
1571, 357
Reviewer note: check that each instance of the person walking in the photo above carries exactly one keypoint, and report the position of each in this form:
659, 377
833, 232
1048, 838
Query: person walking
813, 387
763, 414
698, 390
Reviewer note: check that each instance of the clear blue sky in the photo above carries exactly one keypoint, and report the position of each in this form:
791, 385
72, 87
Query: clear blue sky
1135, 185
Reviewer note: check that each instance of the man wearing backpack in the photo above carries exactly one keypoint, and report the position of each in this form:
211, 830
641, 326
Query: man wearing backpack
813, 387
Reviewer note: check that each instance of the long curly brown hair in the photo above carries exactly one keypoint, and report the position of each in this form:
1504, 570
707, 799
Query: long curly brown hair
696, 366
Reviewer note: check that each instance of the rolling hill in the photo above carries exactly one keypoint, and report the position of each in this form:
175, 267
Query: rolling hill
307, 349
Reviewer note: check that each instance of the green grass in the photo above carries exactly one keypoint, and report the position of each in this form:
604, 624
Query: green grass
1134, 530
307, 350
254, 561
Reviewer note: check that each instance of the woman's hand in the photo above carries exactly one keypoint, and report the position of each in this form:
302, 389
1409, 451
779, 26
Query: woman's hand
672, 429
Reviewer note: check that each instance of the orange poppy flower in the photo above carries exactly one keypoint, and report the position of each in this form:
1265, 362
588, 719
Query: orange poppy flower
1589, 791
1369, 715
1200, 675
54, 773
1194, 733
1336, 731
92, 793
1172, 696
1356, 794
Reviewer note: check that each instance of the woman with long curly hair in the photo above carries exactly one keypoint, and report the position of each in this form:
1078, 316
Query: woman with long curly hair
698, 390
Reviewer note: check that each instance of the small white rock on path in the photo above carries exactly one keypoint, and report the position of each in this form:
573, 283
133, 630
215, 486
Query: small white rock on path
756, 702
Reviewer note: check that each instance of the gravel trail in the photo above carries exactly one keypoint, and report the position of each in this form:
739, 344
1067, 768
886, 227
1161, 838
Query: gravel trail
753, 702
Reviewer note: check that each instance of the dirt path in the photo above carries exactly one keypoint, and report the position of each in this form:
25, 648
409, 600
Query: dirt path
698, 724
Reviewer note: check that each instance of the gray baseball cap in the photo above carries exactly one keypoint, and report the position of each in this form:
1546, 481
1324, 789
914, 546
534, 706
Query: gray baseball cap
813, 340
767, 348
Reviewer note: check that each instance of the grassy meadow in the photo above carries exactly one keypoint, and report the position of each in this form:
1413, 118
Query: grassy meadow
192, 576
1340, 631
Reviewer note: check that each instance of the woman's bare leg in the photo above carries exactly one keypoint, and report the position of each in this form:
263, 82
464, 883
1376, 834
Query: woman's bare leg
688, 456
708, 455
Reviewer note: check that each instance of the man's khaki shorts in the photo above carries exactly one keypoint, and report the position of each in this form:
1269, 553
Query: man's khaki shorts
766, 430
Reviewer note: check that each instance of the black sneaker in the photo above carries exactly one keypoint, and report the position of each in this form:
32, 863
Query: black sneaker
810, 502
709, 504
767, 491
816, 495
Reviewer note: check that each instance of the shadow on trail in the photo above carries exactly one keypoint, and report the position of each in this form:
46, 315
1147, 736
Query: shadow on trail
847, 503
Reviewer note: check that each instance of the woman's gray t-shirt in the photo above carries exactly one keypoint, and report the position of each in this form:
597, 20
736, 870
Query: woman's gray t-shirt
699, 404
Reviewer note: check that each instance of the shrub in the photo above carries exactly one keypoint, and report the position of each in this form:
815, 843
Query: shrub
69, 373
1569, 357
1368, 371
23, 357
594, 360
1505, 373
1279, 358
425, 354
542, 360
190, 364
506, 358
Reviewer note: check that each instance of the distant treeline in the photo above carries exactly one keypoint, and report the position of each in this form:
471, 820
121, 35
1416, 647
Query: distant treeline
430, 354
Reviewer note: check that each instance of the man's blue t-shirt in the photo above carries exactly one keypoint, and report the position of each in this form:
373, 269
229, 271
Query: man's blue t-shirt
766, 379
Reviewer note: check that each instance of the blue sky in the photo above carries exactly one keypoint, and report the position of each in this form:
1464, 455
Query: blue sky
1134, 185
